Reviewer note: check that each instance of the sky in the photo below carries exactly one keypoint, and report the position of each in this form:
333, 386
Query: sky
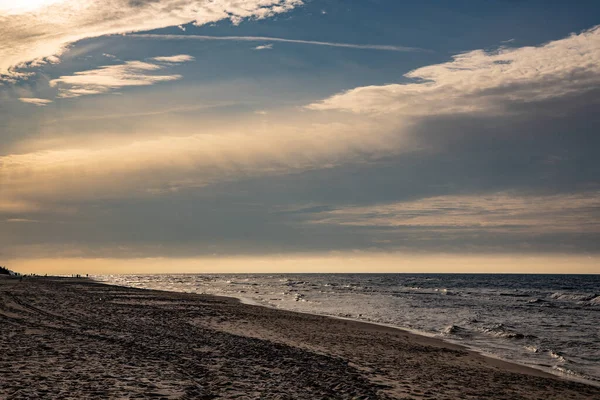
299, 136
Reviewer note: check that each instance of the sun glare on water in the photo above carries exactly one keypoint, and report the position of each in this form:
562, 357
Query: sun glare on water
24, 6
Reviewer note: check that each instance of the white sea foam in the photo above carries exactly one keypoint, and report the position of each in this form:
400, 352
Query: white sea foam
532, 349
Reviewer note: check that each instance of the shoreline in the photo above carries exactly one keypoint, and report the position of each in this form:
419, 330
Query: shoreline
492, 358
511, 365
531, 370
526, 368
422, 336
73, 338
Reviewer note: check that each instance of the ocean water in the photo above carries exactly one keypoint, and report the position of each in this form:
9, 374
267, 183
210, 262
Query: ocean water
550, 322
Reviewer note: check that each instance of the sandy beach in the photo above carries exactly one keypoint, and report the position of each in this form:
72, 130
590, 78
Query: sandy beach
75, 339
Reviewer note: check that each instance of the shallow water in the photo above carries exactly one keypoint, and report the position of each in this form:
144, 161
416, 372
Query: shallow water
547, 321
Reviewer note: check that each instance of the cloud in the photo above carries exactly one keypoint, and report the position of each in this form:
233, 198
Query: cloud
17, 206
43, 32
498, 212
484, 82
155, 165
276, 39
181, 58
35, 101
192, 158
111, 77
264, 47
272, 160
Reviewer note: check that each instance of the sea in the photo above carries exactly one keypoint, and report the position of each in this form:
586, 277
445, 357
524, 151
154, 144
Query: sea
550, 322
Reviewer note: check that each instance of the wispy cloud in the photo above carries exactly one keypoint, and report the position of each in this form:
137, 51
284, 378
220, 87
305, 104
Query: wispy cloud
264, 47
170, 163
498, 212
111, 77
481, 81
35, 101
40, 32
181, 58
276, 39
22, 220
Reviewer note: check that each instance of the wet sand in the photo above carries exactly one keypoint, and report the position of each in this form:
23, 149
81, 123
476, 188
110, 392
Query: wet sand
76, 339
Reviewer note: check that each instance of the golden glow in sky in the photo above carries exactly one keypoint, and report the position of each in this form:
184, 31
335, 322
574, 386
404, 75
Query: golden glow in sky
318, 263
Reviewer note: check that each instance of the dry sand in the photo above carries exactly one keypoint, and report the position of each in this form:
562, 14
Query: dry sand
77, 339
